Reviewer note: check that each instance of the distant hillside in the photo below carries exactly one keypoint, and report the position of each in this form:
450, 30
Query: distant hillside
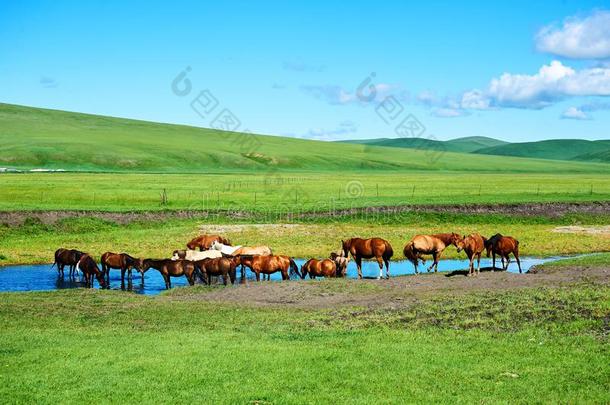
467, 144
564, 149
40, 138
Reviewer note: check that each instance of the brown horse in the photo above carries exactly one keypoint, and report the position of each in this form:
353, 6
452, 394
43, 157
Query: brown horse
204, 242
473, 245
66, 257
171, 268
269, 265
221, 266
360, 249
504, 246
87, 265
340, 261
120, 261
319, 268
429, 245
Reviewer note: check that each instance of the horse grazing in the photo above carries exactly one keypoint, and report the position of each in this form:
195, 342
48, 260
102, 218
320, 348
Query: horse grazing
269, 265
433, 245
88, 266
66, 257
360, 249
120, 261
473, 245
340, 261
319, 268
204, 242
171, 268
220, 266
195, 255
503, 246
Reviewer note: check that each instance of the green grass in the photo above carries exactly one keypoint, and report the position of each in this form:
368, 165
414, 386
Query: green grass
102, 346
564, 149
467, 144
303, 191
35, 242
40, 138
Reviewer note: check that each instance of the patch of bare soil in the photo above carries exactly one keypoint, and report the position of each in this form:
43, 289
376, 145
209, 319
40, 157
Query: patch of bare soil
396, 292
15, 218
588, 230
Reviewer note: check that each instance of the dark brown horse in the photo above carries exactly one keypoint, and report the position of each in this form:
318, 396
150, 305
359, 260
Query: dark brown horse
503, 246
473, 245
269, 265
319, 268
204, 242
66, 257
120, 261
171, 268
360, 249
429, 245
88, 266
221, 266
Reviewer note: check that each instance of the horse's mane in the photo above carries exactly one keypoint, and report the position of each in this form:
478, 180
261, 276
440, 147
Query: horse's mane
493, 240
445, 237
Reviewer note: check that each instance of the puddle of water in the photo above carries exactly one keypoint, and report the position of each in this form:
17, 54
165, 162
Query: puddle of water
41, 277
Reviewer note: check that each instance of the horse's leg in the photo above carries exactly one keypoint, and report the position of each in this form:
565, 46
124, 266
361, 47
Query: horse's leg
493, 266
258, 275
507, 262
516, 253
225, 276
478, 263
359, 265
387, 268
434, 259
380, 263
471, 265
122, 278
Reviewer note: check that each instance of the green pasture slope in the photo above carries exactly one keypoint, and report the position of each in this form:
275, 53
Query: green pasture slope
39, 138
126, 164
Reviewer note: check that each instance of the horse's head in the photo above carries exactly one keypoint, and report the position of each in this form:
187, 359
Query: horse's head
146, 264
460, 244
216, 245
455, 238
178, 254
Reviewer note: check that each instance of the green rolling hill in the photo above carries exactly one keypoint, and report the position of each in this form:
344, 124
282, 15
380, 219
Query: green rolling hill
468, 144
41, 138
565, 149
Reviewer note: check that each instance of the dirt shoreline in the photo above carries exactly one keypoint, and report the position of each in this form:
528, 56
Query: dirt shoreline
395, 293
16, 218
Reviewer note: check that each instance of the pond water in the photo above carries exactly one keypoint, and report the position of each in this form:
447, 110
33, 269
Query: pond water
41, 277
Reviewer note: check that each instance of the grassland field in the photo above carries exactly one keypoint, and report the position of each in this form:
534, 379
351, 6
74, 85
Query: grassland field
527, 345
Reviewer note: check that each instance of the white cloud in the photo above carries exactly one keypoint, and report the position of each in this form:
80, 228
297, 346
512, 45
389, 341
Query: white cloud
574, 113
552, 83
448, 112
578, 38
321, 134
337, 95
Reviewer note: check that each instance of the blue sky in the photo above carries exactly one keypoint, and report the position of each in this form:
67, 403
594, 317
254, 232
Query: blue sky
459, 68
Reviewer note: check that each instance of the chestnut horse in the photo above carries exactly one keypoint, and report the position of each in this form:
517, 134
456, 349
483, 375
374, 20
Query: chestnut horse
171, 268
269, 265
503, 246
120, 261
66, 257
429, 245
204, 242
360, 249
221, 266
88, 266
473, 245
319, 268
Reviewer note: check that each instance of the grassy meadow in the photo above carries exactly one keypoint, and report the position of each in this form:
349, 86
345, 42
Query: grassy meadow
35, 242
540, 345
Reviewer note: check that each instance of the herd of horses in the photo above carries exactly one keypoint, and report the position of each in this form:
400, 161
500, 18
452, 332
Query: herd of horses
210, 256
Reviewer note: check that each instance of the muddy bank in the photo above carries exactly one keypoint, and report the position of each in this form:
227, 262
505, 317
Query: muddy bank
396, 292
15, 218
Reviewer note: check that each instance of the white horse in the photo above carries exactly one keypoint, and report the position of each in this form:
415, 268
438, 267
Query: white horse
194, 255
224, 249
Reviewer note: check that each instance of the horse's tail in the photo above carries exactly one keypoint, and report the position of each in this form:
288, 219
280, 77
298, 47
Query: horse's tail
388, 252
294, 269
409, 252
